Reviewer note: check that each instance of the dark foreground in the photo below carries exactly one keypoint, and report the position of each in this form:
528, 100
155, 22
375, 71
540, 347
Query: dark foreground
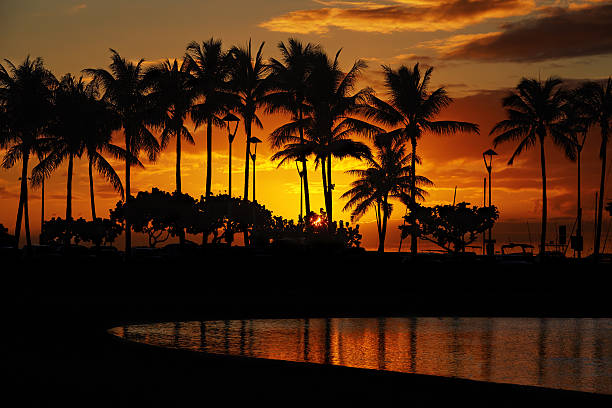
59, 310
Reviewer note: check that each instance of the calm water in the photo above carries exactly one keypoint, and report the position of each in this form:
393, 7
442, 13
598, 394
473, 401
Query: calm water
573, 354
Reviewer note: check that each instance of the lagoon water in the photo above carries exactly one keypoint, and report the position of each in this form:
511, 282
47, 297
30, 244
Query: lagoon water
571, 354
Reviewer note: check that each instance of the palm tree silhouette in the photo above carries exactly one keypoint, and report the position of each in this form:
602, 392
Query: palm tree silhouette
248, 81
289, 81
574, 126
67, 134
411, 110
598, 102
534, 110
388, 175
172, 94
26, 105
126, 91
330, 121
103, 121
210, 69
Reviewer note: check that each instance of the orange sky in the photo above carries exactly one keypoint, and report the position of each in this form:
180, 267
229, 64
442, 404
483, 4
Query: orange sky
480, 49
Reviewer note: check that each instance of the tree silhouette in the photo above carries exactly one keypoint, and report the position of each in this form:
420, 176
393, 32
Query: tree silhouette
411, 110
172, 95
126, 91
248, 81
288, 83
209, 66
101, 124
387, 176
452, 227
598, 101
535, 110
330, 122
25, 106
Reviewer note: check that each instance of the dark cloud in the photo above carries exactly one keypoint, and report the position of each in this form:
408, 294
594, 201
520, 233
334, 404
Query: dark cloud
560, 33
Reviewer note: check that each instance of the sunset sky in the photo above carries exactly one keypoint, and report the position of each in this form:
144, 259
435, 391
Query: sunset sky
479, 48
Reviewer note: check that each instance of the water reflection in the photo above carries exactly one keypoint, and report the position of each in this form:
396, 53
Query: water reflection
573, 354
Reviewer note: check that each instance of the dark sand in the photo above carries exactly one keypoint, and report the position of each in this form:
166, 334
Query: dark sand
59, 310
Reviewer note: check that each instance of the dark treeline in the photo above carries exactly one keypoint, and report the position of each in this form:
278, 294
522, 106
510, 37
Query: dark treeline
60, 120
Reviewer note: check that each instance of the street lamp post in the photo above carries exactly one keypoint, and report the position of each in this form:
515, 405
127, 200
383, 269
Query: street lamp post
301, 174
489, 165
230, 137
254, 141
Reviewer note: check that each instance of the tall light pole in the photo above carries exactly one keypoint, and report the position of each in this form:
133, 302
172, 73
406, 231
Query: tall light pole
230, 137
254, 141
301, 174
489, 165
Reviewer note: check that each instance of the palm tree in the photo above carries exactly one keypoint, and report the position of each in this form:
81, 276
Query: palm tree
574, 126
330, 122
126, 91
289, 80
102, 121
67, 134
388, 175
210, 69
411, 110
534, 110
25, 103
248, 81
172, 93
598, 101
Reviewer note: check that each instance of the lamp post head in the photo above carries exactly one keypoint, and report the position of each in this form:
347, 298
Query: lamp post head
489, 153
255, 140
230, 118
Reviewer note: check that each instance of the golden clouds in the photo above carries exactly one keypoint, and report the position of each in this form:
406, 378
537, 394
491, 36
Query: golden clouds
403, 15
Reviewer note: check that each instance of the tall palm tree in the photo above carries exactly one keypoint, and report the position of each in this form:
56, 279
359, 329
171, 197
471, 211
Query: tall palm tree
289, 81
126, 91
330, 122
535, 110
210, 69
598, 100
67, 134
173, 94
101, 123
26, 104
387, 176
574, 127
248, 81
411, 110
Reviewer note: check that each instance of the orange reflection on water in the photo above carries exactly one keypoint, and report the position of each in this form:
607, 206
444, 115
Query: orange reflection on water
573, 354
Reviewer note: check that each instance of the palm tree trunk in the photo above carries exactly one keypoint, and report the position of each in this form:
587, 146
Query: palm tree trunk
304, 169
383, 231
27, 224
69, 197
544, 201
178, 178
128, 225
22, 197
579, 209
208, 155
247, 130
91, 190
178, 163
602, 186
69, 187
413, 234
324, 179
330, 189
42, 210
